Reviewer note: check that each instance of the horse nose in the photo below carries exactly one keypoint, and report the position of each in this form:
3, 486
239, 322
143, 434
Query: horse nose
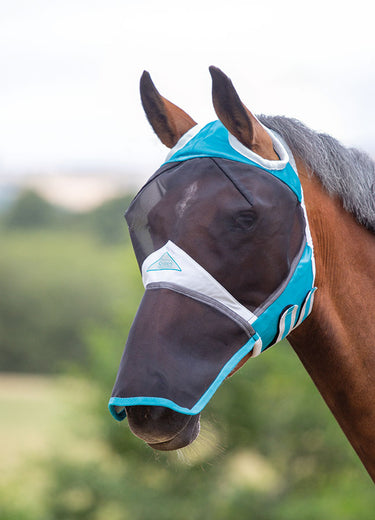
156, 424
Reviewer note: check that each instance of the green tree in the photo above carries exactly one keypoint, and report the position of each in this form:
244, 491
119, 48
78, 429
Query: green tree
30, 211
55, 279
53, 286
106, 222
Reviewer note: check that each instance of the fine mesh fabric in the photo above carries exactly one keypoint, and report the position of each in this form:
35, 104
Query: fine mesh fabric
180, 365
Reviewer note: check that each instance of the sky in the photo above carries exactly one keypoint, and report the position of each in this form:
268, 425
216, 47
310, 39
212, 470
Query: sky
70, 69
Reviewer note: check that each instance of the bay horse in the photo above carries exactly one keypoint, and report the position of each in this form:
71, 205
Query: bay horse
237, 230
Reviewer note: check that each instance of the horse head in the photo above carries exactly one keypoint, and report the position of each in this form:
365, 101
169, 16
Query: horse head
221, 238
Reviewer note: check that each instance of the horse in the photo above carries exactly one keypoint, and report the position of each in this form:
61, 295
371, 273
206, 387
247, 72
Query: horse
235, 228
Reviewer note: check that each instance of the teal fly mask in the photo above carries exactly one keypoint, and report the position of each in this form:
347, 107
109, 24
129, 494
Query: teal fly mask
180, 363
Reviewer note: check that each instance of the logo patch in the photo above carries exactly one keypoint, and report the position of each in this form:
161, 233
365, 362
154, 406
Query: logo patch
165, 263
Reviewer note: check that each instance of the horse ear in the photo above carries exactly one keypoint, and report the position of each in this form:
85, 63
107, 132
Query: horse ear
168, 121
237, 118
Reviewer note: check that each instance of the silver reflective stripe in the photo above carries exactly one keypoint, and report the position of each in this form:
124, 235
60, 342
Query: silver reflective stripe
160, 266
287, 322
306, 307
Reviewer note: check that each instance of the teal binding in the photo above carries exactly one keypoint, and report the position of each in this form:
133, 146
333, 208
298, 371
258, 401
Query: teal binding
199, 405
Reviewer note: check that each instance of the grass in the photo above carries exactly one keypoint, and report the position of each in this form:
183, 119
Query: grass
39, 420
29, 415
39, 417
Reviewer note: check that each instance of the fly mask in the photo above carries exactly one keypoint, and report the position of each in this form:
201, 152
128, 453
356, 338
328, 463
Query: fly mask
196, 321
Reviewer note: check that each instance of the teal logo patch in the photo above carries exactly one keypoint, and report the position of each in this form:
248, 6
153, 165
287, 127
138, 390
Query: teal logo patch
165, 263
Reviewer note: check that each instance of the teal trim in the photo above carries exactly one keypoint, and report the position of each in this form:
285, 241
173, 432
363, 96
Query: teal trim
115, 401
213, 141
167, 403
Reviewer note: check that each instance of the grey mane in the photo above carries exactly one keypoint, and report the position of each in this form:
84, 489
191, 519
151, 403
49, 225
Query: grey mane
346, 172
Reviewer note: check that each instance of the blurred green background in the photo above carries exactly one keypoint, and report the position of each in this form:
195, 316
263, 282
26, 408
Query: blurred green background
69, 288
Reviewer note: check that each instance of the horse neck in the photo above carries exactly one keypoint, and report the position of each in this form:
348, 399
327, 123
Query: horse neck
336, 343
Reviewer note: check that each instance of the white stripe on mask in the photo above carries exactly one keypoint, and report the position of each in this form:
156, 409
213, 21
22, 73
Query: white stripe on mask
172, 265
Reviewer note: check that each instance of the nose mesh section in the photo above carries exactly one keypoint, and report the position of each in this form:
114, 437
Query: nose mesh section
173, 358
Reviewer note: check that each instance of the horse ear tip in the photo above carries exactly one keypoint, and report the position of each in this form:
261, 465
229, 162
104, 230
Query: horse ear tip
217, 74
213, 70
146, 83
145, 76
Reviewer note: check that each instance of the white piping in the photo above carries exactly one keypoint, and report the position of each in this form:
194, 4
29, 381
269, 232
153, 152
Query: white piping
187, 136
265, 163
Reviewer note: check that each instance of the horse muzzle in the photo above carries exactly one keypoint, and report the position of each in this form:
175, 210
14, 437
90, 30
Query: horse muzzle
161, 428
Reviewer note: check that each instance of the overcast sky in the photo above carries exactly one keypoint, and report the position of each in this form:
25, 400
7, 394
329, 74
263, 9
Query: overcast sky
70, 72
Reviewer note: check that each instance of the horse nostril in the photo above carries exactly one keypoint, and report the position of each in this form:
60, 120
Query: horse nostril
155, 424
